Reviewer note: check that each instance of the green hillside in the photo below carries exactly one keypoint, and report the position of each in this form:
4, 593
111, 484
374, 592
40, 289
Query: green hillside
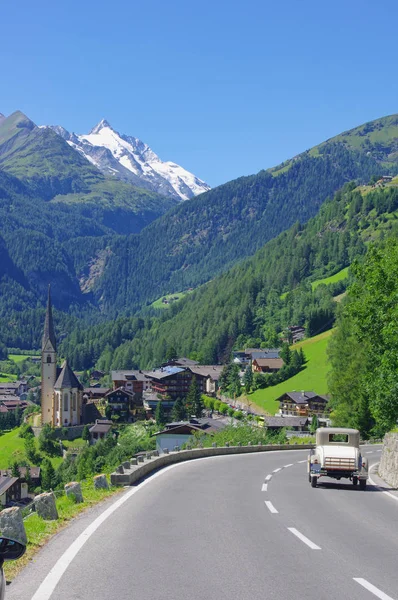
312, 378
243, 307
204, 237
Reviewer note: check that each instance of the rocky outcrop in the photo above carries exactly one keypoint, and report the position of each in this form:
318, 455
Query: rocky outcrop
388, 468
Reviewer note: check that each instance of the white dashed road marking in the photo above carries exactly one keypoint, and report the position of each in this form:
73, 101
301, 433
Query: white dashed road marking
304, 539
277, 470
301, 461
268, 477
270, 506
371, 588
289, 465
265, 487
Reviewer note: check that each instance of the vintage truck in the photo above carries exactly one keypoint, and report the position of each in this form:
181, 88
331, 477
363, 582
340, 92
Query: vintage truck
337, 454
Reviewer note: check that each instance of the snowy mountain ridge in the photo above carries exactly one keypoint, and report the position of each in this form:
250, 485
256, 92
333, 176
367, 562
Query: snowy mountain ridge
130, 159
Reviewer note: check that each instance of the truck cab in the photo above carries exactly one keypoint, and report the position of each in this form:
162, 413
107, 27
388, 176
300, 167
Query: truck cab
337, 455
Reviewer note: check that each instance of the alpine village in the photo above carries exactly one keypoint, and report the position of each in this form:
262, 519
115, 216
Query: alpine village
143, 317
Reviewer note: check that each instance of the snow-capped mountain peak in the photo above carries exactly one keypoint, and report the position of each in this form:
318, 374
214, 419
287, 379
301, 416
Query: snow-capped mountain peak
103, 123
130, 159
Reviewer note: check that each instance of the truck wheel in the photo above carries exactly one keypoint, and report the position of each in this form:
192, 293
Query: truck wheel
355, 481
362, 484
309, 477
314, 481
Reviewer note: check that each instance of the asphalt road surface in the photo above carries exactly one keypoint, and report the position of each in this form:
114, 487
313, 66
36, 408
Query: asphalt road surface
245, 527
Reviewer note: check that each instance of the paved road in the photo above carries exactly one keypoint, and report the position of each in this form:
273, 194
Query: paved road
245, 527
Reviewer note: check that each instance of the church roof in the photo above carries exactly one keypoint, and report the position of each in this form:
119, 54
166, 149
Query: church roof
49, 333
67, 378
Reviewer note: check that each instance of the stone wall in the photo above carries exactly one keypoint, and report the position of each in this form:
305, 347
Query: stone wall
388, 468
129, 475
74, 432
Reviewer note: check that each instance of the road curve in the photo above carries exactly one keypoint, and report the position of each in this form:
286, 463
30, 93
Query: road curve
246, 527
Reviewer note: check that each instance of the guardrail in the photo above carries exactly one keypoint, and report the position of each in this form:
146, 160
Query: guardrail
132, 471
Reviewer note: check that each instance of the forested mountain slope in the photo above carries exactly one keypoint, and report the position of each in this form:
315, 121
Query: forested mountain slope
204, 237
247, 305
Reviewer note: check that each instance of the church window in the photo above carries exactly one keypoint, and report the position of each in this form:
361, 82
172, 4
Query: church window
66, 402
48, 359
57, 402
74, 401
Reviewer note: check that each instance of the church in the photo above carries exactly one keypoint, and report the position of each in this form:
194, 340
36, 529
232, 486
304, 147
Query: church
61, 391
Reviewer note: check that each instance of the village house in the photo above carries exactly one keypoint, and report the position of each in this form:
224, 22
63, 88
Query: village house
95, 393
99, 430
267, 365
134, 381
12, 491
278, 423
179, 433
96, 375
12, 403
16, 388
207, 377
34, 474
170, 382
150, 402
123, 403
180, 362
303, 404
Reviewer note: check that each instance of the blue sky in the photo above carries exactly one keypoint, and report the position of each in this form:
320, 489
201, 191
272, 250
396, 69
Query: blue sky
223, 88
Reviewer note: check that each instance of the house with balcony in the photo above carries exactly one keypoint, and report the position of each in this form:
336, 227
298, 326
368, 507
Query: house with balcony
134, 381
303, 404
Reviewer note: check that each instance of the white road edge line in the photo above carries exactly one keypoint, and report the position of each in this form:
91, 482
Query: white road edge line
264, 487
268, 477
304, 539
49, 584
301, 461
378, 487
371, 588
270, 507
277, 470
289, 465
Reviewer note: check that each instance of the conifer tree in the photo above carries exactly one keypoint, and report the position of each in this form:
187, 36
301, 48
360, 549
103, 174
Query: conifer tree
48, 477
179, 412
15, 472
194, 403
159, 414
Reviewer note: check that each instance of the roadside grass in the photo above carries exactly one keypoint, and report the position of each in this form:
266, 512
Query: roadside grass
309, 439
312, 378
343, 274
12, 448
39, 531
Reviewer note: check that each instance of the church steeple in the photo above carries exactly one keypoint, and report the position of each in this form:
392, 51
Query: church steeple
49, 334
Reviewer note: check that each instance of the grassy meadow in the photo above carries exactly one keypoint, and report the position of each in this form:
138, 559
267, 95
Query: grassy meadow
312, 378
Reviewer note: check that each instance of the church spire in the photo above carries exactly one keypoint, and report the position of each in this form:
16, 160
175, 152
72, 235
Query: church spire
48, 333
